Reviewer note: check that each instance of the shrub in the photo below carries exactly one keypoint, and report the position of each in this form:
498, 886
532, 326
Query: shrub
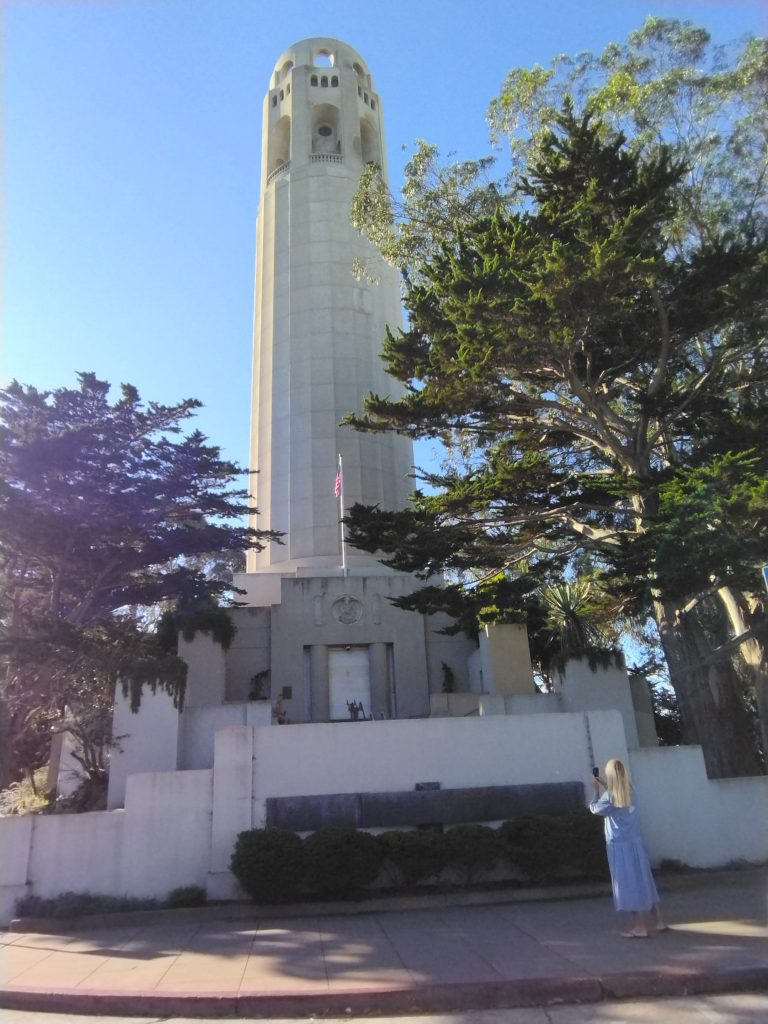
534, 844
586, 856
73, 904
415, 855
341, 861
269, 864
471, 849
549, 848
187, 896
27, 796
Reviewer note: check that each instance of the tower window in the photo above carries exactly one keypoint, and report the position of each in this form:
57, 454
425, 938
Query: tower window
288, 88
334, 81
313, 80
323, 59
282, 94
366, 99
359, 91
373, 104
324, 82
325, 130
274, 100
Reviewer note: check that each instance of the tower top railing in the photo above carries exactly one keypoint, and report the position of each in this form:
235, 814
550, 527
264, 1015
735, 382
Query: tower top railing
278, 171
326, 158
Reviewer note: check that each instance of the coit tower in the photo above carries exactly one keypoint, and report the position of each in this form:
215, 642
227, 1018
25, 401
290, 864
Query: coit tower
318, 330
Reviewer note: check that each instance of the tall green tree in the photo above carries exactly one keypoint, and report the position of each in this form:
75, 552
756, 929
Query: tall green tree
667, 84
593, 364
106, 510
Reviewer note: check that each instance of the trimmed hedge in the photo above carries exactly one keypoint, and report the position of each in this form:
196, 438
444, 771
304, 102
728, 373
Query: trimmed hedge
274, 865
414, 856
471, 850
341, 862
269, 864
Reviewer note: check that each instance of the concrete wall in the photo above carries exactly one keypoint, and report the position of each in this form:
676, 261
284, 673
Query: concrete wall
15, 850
149, 740
505, 659
454, 705
640, 689
249, 651
584, 689
520, 704
699, 821
206, 670
79, 853
179, 828
167, 833
200, 725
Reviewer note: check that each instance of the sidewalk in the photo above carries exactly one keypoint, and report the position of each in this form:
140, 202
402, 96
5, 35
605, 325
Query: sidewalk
399, 961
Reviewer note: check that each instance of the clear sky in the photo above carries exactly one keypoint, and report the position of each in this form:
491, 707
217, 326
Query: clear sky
132, 148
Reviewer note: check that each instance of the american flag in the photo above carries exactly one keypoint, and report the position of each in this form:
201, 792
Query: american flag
337, 486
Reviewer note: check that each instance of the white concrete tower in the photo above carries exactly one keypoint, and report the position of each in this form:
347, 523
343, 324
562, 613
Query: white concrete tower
318, 331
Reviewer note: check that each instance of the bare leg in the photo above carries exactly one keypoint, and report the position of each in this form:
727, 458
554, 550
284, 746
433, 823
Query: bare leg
658, 920
638, 928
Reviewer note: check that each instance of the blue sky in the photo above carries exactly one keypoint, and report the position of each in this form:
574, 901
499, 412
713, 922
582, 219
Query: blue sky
132, 149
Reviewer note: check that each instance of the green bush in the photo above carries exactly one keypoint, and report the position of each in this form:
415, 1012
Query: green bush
341, 861
73, 904
414, 855
471, 850
586, 856
187, 896
269, 864
548, 848
534, 845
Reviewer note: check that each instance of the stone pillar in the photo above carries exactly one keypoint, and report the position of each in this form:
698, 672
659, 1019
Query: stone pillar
233, 768
380, 705
206, 672
506, 659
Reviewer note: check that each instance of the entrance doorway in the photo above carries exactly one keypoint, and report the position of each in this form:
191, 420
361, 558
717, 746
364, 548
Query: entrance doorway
349, 680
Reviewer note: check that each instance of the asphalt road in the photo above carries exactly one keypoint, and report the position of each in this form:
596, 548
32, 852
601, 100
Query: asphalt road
740, 1008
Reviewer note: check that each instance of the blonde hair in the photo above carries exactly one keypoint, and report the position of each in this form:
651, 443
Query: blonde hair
617, 783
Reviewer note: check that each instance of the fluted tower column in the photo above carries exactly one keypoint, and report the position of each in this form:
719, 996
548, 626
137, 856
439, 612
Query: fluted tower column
317, 330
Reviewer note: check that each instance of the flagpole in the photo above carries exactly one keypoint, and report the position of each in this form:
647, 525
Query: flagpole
340, 478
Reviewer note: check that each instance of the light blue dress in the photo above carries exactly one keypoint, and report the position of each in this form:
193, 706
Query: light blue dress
633, 886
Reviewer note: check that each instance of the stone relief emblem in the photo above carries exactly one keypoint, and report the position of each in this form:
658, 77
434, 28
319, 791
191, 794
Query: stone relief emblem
347, 610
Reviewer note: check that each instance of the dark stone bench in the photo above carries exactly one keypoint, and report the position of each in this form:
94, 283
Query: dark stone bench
423, 806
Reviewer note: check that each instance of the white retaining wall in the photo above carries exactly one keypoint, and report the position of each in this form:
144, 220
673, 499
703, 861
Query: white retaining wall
179, 828
699, 821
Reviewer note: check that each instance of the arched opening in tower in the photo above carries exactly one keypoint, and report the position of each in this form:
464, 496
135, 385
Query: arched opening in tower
369, 142
280, 143
325, 129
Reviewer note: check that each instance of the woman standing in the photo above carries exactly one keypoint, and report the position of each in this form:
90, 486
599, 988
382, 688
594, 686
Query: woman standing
633, 887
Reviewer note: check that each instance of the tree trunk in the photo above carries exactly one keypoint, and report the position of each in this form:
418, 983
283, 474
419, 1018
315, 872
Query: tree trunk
744, 611
712, 708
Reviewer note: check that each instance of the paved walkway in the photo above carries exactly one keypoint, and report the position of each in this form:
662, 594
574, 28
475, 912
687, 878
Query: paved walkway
398, 961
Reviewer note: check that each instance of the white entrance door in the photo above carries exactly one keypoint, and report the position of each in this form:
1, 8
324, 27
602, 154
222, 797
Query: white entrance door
349, 679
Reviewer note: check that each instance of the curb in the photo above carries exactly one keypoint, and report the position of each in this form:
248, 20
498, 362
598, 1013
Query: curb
411, 1000
251, 911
